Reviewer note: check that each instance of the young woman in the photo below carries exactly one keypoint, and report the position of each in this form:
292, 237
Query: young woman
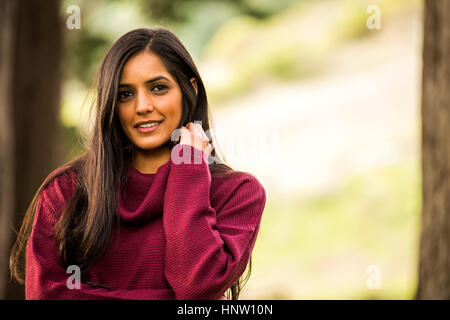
146, 211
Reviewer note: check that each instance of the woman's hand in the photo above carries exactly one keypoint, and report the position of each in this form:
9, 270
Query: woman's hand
194, 135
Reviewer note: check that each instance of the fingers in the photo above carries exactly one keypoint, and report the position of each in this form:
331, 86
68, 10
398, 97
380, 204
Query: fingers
197, 129
193, 134
185, 136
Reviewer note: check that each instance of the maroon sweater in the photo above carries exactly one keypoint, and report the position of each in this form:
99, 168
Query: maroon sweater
183, 235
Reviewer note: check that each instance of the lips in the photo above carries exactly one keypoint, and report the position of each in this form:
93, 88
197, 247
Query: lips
145, 130
144, 122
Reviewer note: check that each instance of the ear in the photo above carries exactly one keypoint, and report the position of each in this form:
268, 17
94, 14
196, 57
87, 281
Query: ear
194, 84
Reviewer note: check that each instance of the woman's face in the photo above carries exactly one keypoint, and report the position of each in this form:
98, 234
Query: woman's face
146, 92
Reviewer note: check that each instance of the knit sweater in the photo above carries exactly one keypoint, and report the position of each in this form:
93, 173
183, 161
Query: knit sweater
183, 235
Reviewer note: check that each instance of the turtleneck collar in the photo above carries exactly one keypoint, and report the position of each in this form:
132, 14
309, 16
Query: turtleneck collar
143, 195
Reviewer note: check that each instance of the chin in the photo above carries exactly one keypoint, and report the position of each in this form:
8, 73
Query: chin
149, 145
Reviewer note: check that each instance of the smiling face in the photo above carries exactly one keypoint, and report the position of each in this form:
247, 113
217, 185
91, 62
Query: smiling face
147, 91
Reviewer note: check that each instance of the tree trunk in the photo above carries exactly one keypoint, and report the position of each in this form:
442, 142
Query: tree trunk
434, 264
7, 15
31, 134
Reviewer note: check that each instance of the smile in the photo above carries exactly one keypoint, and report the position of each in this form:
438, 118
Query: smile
148, 127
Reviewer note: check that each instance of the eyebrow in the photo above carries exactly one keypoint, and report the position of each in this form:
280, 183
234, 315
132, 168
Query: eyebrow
146, 82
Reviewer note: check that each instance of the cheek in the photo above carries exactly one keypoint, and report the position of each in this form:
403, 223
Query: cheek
173, 110
175, 115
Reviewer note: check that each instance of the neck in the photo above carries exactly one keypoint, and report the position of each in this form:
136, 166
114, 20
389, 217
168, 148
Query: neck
148, 161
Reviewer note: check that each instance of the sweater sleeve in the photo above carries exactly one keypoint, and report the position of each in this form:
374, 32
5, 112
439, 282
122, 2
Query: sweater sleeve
45, 277
208, 250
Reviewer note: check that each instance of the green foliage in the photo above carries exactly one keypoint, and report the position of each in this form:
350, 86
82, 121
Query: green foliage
103, 21
293, 43
84, 57
179, 11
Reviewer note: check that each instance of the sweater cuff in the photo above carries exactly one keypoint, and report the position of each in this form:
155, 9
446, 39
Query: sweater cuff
190, 162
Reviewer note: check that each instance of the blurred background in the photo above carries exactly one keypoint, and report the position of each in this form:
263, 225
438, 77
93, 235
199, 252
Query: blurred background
320, 100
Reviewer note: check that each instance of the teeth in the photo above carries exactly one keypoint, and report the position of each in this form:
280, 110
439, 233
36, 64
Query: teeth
148, 125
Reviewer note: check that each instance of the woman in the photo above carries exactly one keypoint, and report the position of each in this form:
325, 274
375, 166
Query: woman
145, 212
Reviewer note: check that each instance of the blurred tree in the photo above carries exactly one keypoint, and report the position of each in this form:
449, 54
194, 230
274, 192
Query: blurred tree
30, 131
195, 21
175, 10
434, 265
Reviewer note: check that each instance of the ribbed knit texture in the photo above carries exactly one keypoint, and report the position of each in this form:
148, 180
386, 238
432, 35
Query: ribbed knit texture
183, 235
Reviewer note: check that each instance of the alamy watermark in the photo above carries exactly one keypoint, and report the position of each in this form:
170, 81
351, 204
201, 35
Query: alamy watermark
251, 145
374, 278
74, 280
374, 20
74, 20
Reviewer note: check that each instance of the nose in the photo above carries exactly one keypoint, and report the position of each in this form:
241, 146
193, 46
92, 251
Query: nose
144, 103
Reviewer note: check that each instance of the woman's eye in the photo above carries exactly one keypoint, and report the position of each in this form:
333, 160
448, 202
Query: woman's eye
124, 94
160, 87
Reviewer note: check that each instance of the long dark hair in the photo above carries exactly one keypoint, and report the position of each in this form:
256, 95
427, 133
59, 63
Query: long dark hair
86, 224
